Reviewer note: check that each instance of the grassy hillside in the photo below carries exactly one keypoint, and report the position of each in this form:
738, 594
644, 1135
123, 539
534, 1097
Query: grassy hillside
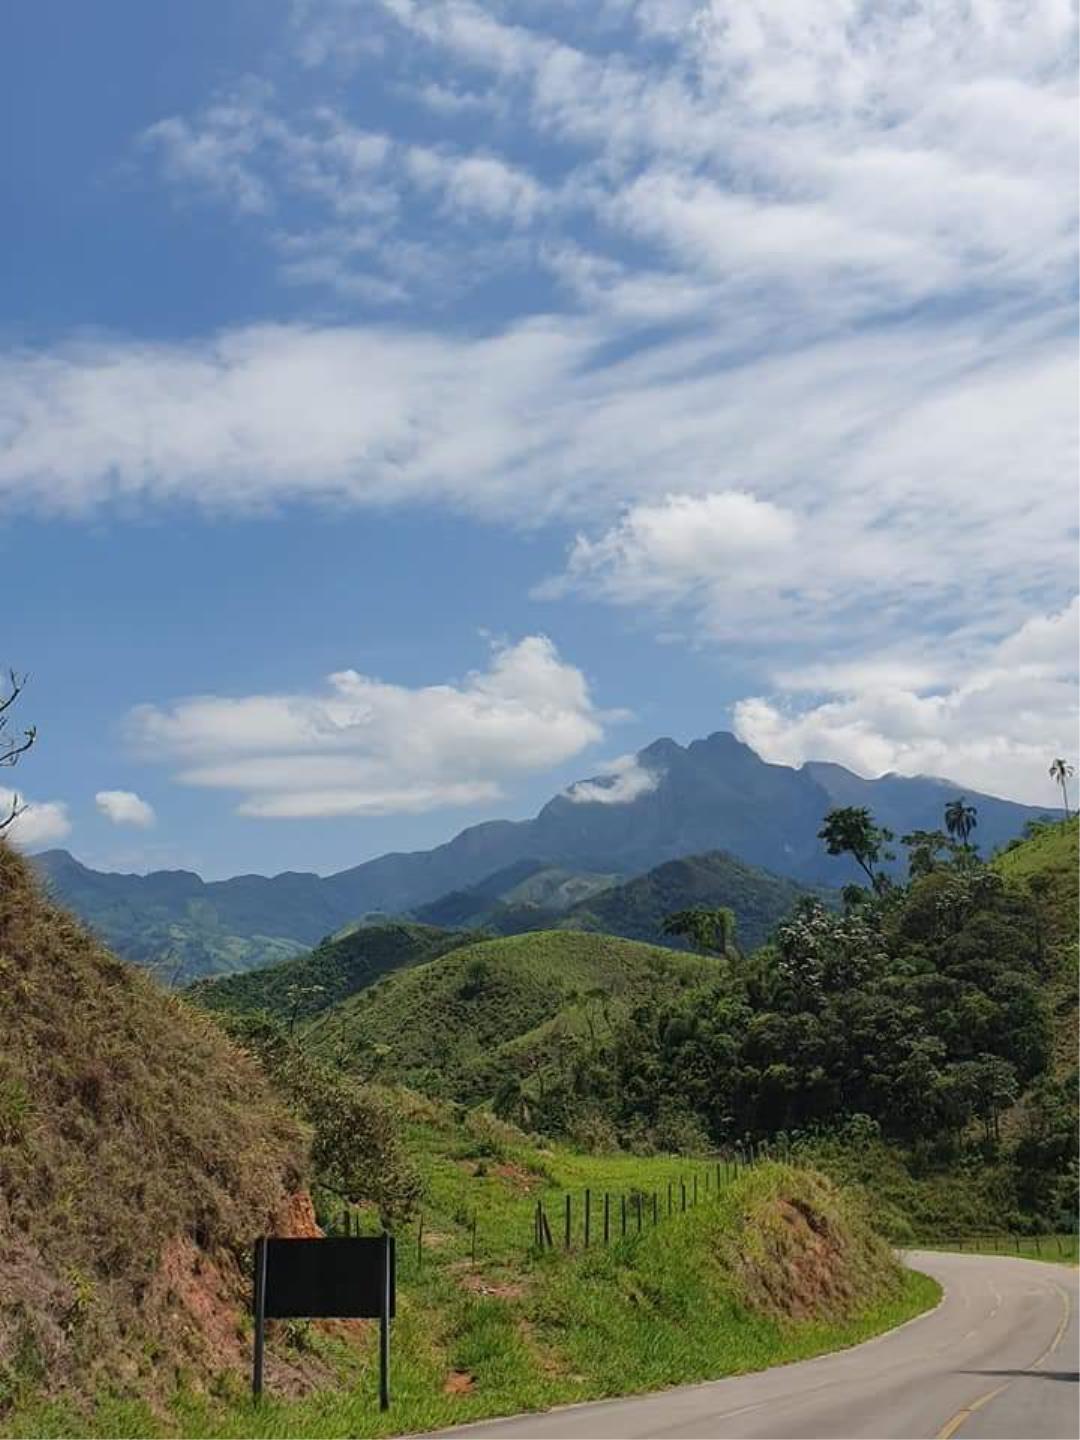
442, 1025
330, 973
524, 896
775, 1266
139, 1153
636, 909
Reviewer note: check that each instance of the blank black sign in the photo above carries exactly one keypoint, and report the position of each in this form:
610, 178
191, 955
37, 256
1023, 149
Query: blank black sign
327, 1279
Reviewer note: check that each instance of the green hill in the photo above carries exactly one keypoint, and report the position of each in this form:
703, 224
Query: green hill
526, 895
636, 909
330, 973
442, 1025
139, 1153
1044, 867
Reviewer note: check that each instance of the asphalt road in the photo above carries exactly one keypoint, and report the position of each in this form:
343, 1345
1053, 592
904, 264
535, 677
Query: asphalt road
997, 1360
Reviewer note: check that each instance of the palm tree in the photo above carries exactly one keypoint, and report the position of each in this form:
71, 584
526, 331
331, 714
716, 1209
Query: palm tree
960, 819
1062, 771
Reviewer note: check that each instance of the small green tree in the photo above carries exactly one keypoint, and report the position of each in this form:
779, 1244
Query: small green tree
709, 930
924, 847
850, 830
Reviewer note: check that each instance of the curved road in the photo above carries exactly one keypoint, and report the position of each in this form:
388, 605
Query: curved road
996, 1360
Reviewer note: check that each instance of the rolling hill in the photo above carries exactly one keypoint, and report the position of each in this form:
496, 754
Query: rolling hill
450, 1027
334, 970
636, 909
714, 794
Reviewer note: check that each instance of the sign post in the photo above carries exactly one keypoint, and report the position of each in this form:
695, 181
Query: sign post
260, 1317
384, 1319
343, 1278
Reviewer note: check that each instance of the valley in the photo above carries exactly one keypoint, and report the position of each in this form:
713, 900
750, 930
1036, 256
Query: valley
891, 1067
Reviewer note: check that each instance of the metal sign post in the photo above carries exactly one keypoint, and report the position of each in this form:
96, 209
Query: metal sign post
349, 1278
384, 1320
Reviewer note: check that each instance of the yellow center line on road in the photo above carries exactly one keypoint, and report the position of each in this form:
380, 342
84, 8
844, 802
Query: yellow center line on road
953, 1425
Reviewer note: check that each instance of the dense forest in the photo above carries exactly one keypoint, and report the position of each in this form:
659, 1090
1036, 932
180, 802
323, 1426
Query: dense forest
920, 1013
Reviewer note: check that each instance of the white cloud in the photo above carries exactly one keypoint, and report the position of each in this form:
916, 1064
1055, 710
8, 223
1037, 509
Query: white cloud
621, 781
124, 807
41, 822
994, 725
680, 546
365, 747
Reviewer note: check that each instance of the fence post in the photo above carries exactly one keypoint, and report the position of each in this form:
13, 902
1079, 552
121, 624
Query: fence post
568, 1220
718, 1177
669, 1197
695, 1189
1038, 1247
588, 1215
682, 1188
1017, 1239
623, 1199
655, 1210
547, 1228
607, 1217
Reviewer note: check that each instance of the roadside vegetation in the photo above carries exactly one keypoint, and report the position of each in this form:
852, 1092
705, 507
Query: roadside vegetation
777, 1265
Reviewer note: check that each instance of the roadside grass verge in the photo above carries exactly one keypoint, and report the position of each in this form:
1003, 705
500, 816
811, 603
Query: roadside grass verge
777, 1266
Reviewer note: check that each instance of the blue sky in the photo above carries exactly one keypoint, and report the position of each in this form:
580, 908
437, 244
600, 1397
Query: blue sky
408, 408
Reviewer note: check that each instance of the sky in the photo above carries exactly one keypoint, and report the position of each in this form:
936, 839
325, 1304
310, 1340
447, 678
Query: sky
407, 409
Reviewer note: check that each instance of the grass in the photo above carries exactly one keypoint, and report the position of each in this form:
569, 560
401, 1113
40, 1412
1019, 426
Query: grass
708, 1293
1058, 1249
438, 1026
139, 1151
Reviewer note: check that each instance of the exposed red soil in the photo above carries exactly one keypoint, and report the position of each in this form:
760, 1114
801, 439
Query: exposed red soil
459, 1382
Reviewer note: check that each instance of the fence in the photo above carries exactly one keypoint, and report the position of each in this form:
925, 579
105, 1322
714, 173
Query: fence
587, 1217
1042, 1247
592, 1217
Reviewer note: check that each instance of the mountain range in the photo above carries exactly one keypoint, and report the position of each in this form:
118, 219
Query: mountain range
714, 794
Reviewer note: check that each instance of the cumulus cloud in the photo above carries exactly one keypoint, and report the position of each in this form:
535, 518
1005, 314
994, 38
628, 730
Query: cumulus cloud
993, 723
679, 547
619, 782
366, 747
41, 822
124, 807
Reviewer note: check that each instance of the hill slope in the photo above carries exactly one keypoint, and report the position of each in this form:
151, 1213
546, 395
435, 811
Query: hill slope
139, 1153
445, 1027
330, 973
637, 908
714, 794
524, 896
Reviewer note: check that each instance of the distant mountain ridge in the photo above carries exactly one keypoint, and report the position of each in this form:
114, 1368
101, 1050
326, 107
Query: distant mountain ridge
714, 794
633, 909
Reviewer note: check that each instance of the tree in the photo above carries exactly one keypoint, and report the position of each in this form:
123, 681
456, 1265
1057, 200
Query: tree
12, 745
924, 847
1061, 772
710, 931
851, 831
960, 819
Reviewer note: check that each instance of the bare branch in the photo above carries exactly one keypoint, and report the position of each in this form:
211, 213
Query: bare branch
16, 683
10, 750
15, 810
